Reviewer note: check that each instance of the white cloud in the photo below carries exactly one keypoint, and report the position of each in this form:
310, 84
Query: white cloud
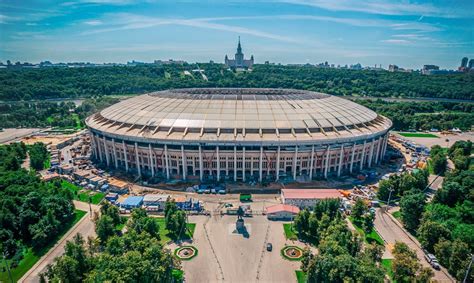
381, 7
6, 19
396, 41
93, 23
131, 21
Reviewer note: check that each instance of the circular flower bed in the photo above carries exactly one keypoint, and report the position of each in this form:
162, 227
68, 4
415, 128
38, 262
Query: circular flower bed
292, 253
186, 252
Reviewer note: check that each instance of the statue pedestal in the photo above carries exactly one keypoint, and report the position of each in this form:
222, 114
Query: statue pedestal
239, 224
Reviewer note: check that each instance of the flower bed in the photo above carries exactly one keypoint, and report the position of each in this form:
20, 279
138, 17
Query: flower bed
292, 253
186, 252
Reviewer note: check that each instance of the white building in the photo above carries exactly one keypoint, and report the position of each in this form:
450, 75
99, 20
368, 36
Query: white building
155, 201
282, 212
303, 198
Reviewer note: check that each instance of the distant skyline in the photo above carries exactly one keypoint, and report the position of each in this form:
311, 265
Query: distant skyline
406, 33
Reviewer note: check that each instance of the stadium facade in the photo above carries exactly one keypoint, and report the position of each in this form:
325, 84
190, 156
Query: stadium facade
238, 134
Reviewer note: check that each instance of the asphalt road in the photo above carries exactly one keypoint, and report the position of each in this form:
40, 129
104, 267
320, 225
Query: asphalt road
391, 231
85, 227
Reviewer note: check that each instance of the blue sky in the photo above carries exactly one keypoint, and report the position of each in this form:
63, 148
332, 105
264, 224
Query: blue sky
405, 33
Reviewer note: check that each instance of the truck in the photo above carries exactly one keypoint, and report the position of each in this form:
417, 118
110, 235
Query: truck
245, 197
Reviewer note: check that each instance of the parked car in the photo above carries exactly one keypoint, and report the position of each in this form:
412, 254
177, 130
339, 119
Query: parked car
269, 247
222, 192
431, 259
228, 205
213, 191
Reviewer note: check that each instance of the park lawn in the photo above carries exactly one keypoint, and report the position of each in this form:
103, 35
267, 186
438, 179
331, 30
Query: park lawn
178, 275
123, 221
78, 121
164, 233
418, 135
30, 256
373, 236
397, 215
47, 162
290, 234
387, 265
300, 276
96, 197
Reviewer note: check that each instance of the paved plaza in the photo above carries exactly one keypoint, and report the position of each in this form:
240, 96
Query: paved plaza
227, 256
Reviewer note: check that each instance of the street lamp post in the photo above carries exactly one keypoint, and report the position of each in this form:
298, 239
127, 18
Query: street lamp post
389, 197
468, 269
8, 267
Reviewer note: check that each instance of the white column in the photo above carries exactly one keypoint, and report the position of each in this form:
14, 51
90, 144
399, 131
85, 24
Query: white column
200, 163
352, 157
184, 162
371, 153
382, 150
278, 164
311, 161
377, 154
218, 164
251, 166
100, 150
385, 144
295, 162
340, 161
235, 163
260, 167
227, 166
137, 159
327, 163
243, 163
107, 157
125, 155
362, 159
167, 165
115, 153
150, 160
94, 145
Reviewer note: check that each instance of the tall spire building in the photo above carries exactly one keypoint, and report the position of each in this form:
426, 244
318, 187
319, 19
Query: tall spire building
239, 61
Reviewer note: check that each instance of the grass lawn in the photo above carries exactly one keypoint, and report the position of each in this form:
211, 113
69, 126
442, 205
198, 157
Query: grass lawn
166, 237
387, 265
30, 256
300, 276
96, 197
418, 135
178, 275
397, 215
123, 221
47, 162
373, 236
290, 234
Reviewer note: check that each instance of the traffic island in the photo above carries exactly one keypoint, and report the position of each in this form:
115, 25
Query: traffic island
186, 252
292, 253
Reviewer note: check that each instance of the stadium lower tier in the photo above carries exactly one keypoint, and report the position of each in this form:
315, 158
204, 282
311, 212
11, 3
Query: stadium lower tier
217, 162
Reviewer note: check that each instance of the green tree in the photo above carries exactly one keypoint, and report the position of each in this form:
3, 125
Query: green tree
439, 163
430, 233
301, 222
411, 208
406, 267
110, 210
104, 228
140, 222
368, 222
359, 210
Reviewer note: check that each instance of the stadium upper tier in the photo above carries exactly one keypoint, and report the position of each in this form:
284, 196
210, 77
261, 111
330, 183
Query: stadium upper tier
229, 115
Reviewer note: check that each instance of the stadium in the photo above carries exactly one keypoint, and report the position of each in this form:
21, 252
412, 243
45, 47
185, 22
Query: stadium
238, 134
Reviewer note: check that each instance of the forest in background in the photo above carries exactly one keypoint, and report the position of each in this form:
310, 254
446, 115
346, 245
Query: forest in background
45, 83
